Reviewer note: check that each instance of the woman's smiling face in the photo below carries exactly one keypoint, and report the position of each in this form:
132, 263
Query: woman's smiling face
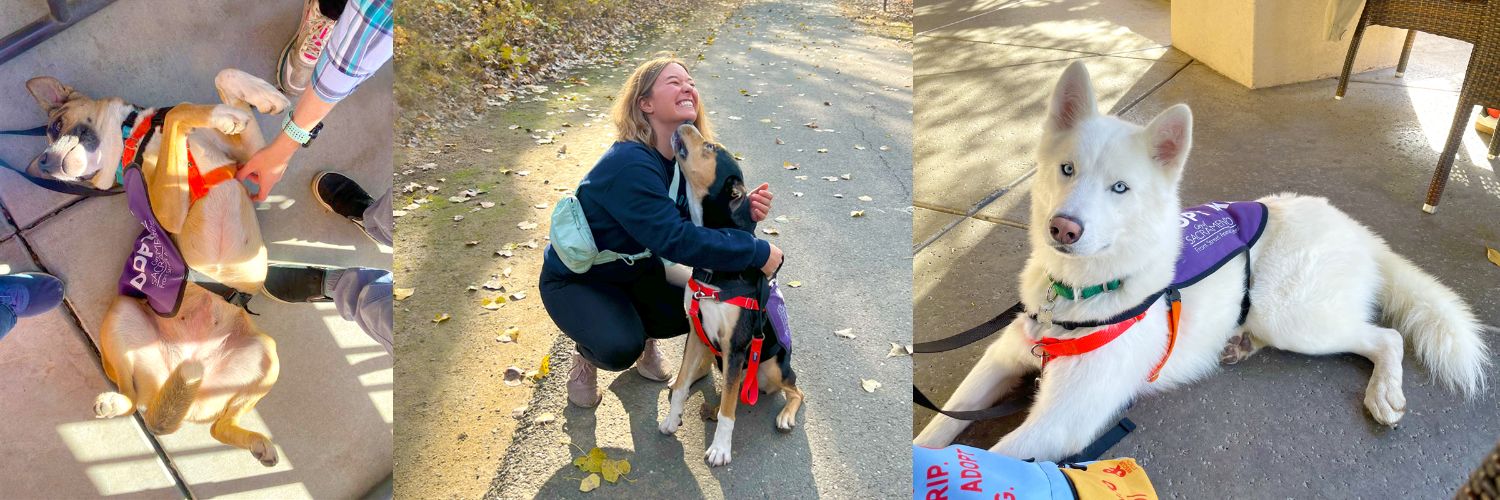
673, 97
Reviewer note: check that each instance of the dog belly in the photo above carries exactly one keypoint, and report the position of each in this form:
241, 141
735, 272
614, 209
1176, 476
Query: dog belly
221, 238
216, 334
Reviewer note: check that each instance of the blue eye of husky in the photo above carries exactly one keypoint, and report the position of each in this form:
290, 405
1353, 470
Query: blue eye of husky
1067, 169
1120, 187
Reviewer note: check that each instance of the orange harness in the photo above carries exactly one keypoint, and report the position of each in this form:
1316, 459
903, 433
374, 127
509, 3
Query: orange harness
198, 183
1048, 348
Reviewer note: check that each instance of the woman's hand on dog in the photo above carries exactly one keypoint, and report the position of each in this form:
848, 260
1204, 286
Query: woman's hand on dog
760, 206
266, 167
773, 262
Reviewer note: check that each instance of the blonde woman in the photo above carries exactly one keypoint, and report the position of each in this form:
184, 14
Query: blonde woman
616, 311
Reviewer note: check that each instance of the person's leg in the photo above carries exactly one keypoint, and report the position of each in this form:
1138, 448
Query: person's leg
341, 195
27, 294
602, 323
295, 67
363, 295
659, 303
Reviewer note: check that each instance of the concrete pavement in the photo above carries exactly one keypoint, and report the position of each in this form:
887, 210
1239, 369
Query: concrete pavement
1278, 424
330, 413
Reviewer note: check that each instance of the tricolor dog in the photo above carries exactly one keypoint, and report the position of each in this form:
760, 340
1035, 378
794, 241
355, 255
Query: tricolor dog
207, 363
1127, 294
728, 310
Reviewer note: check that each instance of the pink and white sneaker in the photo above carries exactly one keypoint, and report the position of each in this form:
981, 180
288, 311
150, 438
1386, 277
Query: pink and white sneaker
294, 70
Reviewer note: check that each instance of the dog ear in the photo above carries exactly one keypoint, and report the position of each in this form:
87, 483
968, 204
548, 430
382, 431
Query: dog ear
1072, 99
1169, 136
49, 92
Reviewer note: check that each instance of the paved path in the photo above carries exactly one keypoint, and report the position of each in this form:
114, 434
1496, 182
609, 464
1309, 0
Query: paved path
781, 62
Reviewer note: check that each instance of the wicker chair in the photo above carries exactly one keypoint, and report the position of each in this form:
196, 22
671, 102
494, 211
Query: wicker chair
1485, 483
1473, 21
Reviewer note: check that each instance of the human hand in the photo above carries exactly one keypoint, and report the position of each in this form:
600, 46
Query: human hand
266, 167
773, 263
760, 202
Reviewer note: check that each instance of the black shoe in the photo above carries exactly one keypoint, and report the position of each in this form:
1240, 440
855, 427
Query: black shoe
341, 195
294, 284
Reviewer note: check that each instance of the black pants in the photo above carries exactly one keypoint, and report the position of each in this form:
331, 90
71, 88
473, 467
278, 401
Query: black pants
610, 315
332, 9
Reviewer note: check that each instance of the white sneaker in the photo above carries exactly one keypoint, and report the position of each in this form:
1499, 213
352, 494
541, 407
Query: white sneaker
295, 68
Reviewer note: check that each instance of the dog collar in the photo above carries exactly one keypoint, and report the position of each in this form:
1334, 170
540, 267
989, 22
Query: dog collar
133, 129
1076, 293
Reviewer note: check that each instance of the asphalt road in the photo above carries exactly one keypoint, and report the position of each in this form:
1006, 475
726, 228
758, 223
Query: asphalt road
773, 68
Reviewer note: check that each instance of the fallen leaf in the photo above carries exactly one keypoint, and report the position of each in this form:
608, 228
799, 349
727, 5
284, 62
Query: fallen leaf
790, 166
505, 253
859, 147
403, 293
847, 177
493, 284
527, 225
623, 465
822, 150
866, 198
838, 195
511, 334
847, 333
546, 367
471, 243
441, 318
779, 141
794, 284
857, 213
830, 178
519, 411
486, 204
546, 418
513, 376
1494, 256
770, 230
457, 218
797, 194
518, 296
782, 219
899, 350
869, 385
885, 148
610, 471
540, 206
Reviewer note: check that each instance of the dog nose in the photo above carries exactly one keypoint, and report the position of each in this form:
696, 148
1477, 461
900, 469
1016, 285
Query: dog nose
1066, 230
45, 163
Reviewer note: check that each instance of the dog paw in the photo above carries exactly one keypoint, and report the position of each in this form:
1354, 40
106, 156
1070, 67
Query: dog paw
785, 422
265, 452
1238, 348
1385, 400
229, 120
717, 456
239, 85
112, 404
669, 425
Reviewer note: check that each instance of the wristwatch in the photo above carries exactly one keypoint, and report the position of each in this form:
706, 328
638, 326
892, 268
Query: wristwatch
303, 137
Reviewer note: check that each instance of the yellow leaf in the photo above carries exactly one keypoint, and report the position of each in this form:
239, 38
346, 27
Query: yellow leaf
578, 462
857, 213
403, 293
589, 483
1493, 255
611, 473
623, 465
546, 367
441, 318
794, 284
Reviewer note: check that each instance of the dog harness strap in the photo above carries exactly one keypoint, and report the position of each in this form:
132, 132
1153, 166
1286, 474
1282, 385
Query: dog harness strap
199, 183
1174, 317
695, 314
1056, 348
750, 388
138, 137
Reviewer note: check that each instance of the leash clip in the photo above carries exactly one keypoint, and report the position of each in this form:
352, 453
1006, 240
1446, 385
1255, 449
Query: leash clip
629, 261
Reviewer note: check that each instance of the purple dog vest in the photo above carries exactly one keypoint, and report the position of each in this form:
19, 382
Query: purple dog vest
155, 270
780, 322
1214, 233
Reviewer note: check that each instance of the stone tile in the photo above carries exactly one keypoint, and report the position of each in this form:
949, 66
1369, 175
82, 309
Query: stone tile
1083, 25
57, 448
980, 128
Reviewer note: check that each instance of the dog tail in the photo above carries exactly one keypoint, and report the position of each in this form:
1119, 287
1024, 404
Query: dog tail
175, 398
1438, 324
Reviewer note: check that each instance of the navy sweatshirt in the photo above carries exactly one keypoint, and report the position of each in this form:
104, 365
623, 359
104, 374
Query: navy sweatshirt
625, 201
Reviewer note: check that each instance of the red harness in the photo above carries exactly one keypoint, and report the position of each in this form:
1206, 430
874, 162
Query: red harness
750, 388
1056, 348
198, 183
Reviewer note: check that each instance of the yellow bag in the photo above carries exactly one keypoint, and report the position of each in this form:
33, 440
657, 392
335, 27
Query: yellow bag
1118, 478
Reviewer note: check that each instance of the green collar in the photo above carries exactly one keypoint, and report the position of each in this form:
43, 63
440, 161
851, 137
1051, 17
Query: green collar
1068, 292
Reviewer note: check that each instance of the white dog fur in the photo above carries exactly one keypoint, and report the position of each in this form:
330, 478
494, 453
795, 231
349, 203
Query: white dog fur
1317, 274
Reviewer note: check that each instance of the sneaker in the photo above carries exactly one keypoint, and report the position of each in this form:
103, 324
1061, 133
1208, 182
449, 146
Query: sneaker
583, 383
296, 284
1485, 124
30, 294
650, 365
341, 195
295, 68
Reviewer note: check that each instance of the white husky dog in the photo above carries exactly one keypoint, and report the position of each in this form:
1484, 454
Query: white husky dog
1104, 207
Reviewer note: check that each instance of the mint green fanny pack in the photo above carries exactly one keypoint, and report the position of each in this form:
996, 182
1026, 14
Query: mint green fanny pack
574, 243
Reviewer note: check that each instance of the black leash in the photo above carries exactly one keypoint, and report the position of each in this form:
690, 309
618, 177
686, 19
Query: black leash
54, 184
1017, 402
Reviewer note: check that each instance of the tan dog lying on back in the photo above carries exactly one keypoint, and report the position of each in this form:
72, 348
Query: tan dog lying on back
209, 363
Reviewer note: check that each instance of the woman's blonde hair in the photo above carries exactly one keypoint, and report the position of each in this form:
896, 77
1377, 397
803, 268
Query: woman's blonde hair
631, 124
